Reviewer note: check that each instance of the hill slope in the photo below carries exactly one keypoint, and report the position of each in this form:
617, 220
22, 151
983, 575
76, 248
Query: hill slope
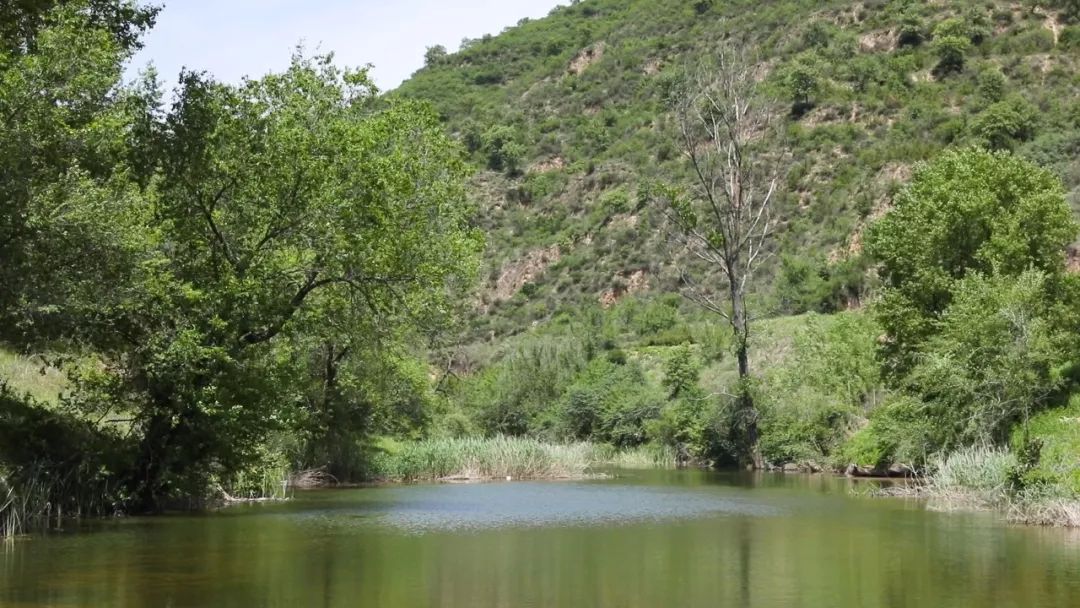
566, 115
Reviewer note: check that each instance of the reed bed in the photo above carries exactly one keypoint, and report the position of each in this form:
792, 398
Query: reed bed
479, 459
977, 476
648, 456
26, 506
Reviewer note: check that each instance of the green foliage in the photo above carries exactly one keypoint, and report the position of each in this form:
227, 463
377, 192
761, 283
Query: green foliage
1070, 9
802, 81
504, 152
995, 358
1004, 124
969, 211
610, 403
609, 125
807, 285
951, 43
814, 397
52, 462
254, 270
202, 252
514, 396
991, 84
912, 27
61, 138
435, 55
681, 373
1069, 38
24, 23
899, 431
1050, 442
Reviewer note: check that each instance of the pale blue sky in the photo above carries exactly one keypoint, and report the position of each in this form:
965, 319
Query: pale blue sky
236, 38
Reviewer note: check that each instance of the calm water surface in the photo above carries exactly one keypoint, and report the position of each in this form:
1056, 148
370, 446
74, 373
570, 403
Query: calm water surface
649, 538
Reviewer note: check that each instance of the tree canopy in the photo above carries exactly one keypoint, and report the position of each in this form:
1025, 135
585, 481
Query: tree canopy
968, 211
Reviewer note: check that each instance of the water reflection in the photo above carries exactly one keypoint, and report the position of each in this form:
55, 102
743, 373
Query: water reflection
642, 539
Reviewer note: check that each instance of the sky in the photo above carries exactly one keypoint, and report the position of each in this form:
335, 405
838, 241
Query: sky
236, 38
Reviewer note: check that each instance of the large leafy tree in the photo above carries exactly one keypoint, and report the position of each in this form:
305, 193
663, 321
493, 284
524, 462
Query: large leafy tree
284, 206
124, 21
213, 254
63, 136
970, 211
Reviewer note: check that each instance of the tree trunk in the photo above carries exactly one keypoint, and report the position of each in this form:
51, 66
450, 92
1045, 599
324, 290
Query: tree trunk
740, 325
149, 468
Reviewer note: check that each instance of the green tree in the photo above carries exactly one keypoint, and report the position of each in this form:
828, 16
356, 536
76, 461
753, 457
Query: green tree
1004, 124
435, 55
912, 30
123, 21
1070, 9
968, 211
952, 39
504, 151
991, 84
64, 135
281, 207
681, 373
1000, 352
802, 79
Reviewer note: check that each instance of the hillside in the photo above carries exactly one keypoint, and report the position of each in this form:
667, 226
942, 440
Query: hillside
565, 117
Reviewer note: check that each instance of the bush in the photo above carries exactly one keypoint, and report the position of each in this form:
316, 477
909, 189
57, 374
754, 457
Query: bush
1069, 39
504, 151
1005, 123
1049, 443
610, 403
996, 359
813, 398
899, 431
951, 43
991, 84
53, 464
514, 396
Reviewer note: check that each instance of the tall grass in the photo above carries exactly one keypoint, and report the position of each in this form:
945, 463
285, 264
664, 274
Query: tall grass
648, 456
265, 481
498, 457
1046, 511
29, 505
978, 474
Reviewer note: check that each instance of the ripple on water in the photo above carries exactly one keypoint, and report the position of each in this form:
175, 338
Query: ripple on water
422, 509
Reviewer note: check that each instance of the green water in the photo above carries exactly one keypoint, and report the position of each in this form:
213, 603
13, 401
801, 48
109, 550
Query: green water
641, 539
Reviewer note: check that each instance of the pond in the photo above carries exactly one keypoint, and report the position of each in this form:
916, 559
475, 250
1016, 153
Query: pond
641, 538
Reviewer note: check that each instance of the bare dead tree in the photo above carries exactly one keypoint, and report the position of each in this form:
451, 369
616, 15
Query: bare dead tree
728, 132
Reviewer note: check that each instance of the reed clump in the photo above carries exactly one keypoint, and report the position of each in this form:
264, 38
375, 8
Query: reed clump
486, 458
646, 456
